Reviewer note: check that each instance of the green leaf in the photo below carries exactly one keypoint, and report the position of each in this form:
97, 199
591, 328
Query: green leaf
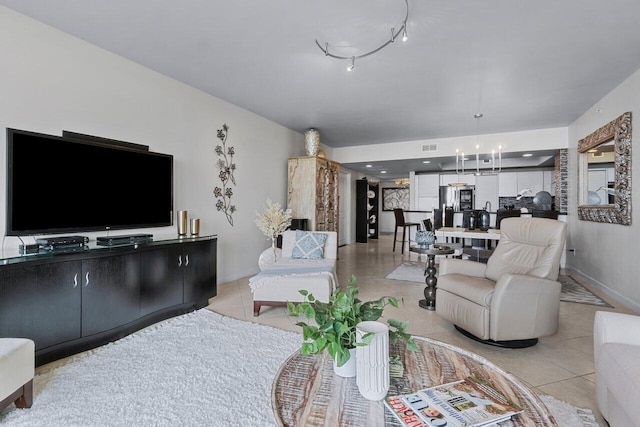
367, 338
309, 312
303, 292
322, 343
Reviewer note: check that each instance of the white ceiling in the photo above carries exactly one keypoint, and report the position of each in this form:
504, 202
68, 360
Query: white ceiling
523, 64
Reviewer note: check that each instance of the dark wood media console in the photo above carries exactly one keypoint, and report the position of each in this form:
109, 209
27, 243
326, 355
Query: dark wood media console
73, 301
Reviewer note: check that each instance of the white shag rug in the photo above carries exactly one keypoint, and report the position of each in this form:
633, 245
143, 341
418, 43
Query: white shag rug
201, 368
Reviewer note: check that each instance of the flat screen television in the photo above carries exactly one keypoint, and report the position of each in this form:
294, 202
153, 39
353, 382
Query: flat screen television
59, 185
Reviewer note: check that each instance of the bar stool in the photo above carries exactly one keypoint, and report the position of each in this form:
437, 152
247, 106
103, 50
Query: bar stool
400, 222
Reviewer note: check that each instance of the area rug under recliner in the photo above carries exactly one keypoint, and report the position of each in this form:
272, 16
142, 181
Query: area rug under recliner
572, 291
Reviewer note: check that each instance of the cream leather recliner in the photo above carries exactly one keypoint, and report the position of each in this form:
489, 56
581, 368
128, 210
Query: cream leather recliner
514, 298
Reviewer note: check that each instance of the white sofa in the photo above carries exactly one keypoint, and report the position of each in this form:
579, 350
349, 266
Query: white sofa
281, 281
616, 345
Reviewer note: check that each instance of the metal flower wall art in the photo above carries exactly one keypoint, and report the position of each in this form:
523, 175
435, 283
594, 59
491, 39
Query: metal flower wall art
227, 168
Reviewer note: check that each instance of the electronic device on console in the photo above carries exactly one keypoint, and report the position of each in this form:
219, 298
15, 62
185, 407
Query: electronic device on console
62, 242
128, 239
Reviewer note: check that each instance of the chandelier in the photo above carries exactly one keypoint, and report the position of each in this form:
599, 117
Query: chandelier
496, 167
352, 59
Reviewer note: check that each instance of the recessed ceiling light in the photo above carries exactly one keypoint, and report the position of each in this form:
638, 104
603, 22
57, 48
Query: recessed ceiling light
527, 155
367, 166
383, 171
426, 162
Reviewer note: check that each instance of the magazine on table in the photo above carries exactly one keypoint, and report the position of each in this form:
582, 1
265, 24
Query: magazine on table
464, 403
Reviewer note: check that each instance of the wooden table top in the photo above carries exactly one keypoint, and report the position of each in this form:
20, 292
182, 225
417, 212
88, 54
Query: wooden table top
306, 392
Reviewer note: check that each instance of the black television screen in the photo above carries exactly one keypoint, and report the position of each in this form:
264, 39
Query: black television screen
59, 185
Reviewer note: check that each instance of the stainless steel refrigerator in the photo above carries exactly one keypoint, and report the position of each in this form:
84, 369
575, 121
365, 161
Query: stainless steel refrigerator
458, 198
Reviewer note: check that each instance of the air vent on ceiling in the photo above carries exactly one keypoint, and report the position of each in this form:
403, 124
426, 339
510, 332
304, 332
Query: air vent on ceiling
430, 147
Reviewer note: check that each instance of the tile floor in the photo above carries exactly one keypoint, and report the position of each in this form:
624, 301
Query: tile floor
560, 365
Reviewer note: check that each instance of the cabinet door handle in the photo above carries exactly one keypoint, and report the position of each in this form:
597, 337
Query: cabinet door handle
186, 263
87, 279
179, 260
75, 280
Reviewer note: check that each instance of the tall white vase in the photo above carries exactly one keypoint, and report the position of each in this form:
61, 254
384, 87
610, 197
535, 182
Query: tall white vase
372, 361
347, 370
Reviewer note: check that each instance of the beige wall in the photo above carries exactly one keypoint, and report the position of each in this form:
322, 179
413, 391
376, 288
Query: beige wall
50, 81
608, 254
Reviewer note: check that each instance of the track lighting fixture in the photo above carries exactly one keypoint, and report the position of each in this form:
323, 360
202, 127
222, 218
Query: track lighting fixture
401, 31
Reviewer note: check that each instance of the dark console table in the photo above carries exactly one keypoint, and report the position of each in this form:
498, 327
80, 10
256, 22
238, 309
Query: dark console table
72, 301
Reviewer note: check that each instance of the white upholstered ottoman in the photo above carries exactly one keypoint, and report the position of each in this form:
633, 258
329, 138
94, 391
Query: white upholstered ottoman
17, 367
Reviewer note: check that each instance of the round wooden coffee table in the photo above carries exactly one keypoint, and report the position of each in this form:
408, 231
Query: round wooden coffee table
306, 392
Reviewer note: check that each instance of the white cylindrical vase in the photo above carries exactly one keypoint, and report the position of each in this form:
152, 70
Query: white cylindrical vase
347, 370
372, 361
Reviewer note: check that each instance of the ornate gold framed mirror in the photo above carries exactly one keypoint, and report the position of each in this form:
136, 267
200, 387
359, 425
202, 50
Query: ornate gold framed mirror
604, 168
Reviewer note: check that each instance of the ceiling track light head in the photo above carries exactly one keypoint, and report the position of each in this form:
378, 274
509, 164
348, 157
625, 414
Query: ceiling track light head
353, 64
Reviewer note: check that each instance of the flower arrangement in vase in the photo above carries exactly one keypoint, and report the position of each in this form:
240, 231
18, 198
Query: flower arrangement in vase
273, 221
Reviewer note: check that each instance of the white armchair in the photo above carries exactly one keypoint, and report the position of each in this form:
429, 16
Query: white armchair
514, 298
281, 281
616, 345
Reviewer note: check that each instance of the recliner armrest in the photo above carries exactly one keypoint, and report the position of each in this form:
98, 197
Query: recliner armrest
524, 305
515, 286
462, 266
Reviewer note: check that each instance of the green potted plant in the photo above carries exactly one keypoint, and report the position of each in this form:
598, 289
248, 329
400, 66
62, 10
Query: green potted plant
336, 321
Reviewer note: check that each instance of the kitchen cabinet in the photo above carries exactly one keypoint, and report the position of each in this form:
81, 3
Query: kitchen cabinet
487, 191
532, 180
469, 179
426, 193
508, 184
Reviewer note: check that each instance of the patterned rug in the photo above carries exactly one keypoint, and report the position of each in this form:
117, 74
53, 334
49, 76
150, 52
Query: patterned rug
571, 291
